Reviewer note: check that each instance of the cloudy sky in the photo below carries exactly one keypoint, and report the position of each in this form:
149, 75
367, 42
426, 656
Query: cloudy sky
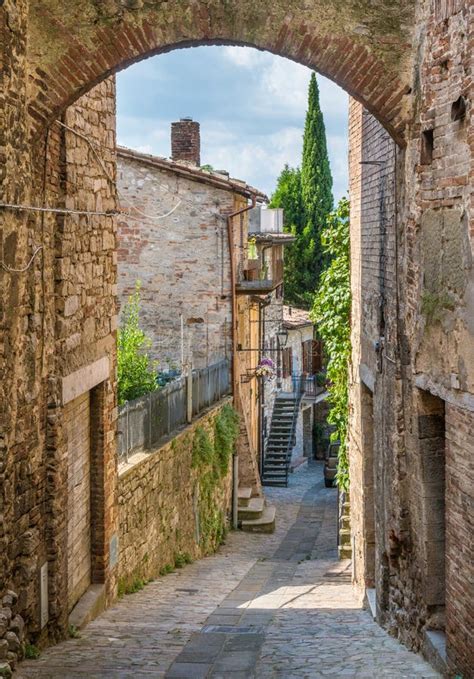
251, 106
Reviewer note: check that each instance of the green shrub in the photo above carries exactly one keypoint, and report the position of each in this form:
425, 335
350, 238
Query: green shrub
32, 652
182, 559
135, 370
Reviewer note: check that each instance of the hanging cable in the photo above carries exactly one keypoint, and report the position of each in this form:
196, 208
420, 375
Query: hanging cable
57, 210
112, 180
24, 268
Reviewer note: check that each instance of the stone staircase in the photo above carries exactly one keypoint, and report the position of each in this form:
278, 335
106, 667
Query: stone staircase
254, 515
280, 442
345, 547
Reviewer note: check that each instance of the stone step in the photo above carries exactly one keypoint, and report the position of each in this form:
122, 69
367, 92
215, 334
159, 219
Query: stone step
253, 510
243, 496
345, 537
281, 483
264, 524
345, 522
344, 552
275, 476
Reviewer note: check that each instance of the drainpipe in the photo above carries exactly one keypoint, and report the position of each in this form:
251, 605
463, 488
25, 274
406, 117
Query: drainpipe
233, 282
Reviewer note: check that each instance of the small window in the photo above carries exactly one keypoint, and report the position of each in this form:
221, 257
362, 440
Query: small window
458, 109
427, 145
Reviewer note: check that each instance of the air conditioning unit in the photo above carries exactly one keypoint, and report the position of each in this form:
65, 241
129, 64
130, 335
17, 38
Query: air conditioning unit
266, 221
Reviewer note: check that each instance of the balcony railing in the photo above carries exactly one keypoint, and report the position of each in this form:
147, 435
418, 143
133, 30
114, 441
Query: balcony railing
306, 386
254, 276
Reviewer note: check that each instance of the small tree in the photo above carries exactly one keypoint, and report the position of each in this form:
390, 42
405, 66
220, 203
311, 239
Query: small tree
136, 371
331, 312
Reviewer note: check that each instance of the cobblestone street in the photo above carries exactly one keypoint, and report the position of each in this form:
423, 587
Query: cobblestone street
266, 606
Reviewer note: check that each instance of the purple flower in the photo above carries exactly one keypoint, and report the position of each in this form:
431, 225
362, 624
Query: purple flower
267, 361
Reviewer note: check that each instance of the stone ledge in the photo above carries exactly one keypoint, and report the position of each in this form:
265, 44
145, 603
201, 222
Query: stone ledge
434, 650
85, 379
142, 455
371, 601
90, 605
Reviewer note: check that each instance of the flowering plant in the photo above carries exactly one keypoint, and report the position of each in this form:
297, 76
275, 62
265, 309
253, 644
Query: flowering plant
265, 368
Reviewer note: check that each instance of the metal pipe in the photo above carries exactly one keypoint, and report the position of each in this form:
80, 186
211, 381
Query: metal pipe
230, 237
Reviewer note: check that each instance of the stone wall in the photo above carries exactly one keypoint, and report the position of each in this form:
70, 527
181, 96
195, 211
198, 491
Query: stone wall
160, 506
412, 350
63, 299
411, 72
182, 261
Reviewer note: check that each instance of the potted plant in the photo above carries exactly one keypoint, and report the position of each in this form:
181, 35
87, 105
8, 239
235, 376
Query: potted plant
265, 368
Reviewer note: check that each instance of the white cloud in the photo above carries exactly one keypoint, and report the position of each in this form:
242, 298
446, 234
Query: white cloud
243, 56
251, 106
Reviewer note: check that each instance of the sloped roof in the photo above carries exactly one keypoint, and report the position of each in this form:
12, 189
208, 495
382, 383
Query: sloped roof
190, 171
295, 318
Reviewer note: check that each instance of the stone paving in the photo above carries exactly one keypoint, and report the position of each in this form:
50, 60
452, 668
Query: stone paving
267, 606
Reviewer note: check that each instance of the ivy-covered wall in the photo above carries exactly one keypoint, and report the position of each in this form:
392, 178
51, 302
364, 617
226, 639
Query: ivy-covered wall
175, 503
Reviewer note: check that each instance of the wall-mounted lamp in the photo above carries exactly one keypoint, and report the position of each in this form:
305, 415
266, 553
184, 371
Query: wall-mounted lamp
282, 337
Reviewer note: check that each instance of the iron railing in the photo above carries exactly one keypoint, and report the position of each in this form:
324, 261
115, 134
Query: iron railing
143, 424
306, 386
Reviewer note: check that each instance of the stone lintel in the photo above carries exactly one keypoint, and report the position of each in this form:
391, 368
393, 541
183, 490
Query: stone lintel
366, 376
85, 379
455, 397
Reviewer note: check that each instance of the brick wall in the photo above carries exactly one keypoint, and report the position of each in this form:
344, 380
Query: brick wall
427, 351
460, 538
186, 141
46, 334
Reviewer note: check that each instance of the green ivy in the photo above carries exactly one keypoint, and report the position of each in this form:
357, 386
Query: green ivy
331, 313
226, 430
211, 453
136, 372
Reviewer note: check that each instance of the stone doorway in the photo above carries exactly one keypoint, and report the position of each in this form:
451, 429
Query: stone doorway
77, 424
432, 509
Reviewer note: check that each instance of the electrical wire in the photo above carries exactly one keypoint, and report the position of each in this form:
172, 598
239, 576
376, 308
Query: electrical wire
112, 181
24, 268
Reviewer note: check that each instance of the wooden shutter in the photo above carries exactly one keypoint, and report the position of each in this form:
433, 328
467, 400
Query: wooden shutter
317, 356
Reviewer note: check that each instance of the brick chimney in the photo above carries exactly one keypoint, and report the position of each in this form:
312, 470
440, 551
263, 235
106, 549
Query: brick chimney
186, 141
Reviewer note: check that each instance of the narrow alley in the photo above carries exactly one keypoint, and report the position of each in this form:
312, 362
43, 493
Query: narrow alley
265, 606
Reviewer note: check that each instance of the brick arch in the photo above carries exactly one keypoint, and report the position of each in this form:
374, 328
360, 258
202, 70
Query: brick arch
363, 53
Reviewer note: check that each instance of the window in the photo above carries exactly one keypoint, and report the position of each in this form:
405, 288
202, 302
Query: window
287, 359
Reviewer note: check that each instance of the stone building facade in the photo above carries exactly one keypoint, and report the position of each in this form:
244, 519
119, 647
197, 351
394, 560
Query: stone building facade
173, 238
301, 362
411, 66
412, 406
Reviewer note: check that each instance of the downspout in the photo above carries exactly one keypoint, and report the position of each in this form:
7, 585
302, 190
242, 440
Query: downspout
233, 282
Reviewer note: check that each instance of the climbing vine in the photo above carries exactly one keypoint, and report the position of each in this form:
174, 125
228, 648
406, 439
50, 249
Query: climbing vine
211, 454
331, 313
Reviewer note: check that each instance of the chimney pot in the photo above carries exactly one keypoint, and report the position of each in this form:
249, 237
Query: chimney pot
186, 141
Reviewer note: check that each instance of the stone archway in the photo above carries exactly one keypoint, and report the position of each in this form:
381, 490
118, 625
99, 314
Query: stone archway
52, 53
366, 50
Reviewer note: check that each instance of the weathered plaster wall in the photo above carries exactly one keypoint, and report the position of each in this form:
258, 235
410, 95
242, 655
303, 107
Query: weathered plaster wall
159, 506
182, 262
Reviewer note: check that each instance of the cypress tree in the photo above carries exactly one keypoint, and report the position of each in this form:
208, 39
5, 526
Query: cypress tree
306, 196
316, 191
